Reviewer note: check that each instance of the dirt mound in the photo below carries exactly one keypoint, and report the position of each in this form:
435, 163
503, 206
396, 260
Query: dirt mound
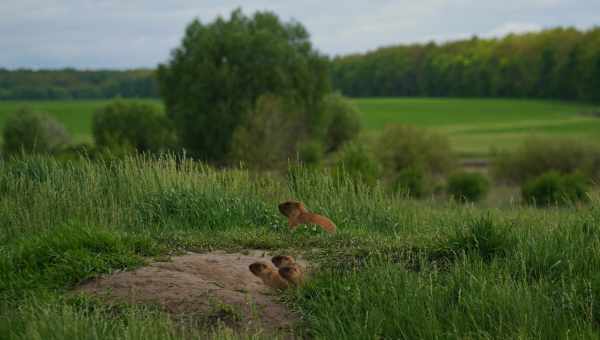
214, 286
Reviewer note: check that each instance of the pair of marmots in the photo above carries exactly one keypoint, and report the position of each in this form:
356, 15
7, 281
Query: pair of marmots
289, 273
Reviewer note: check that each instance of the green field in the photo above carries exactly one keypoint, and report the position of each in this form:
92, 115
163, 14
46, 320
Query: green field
474, 125
75, 114
396, 269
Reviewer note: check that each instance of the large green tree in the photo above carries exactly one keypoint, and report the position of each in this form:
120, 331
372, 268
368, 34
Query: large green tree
213, 79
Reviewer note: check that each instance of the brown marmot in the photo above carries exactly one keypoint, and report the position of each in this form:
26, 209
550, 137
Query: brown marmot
281, 261
293, 274
268, 275
289, 269
297, 214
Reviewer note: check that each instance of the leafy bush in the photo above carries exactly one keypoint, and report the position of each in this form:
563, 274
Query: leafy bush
122, 127
310, 153
268, 138
359, 163
555, 188
468, 186
344, 121
413, 181
33, 132
537, 156
400, 147
215, 77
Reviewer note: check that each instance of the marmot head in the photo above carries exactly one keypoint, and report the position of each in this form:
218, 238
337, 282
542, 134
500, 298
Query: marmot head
258, 267
288, 207
292, 273
282, 261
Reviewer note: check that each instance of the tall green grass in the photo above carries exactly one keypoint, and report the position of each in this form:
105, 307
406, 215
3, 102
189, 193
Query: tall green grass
396, 269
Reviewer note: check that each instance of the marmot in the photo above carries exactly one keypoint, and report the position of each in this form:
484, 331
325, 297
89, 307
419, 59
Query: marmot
289, 269
268, 275
297, 214
281, 261
292, 274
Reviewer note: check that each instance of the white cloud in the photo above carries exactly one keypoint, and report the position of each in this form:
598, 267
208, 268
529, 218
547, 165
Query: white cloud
133, 33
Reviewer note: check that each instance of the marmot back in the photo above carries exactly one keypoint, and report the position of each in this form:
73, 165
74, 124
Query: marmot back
297, 214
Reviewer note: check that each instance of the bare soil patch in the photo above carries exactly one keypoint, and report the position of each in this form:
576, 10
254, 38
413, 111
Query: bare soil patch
214, 286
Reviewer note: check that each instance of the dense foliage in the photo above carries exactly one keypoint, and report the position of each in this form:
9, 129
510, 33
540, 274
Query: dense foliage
343, 121
559, 63
129, 126
404, 146
214, 78
76, 84
358, 161
268, 136
553, 188
535, 156
413, 181
27, 131
468, 186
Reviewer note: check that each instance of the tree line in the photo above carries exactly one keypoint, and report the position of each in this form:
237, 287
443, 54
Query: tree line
28, 84
561, 63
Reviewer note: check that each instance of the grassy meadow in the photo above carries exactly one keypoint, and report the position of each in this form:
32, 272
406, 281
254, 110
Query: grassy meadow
397, 268
475, 126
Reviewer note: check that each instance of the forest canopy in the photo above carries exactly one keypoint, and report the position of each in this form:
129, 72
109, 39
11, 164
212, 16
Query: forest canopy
76, 84
561, 63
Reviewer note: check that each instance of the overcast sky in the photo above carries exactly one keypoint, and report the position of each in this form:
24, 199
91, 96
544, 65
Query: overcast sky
141, 33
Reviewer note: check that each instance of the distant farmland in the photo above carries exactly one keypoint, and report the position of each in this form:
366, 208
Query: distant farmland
477, 125
474, 125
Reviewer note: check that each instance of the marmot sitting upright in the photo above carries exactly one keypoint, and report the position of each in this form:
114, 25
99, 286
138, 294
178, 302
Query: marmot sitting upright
297, 214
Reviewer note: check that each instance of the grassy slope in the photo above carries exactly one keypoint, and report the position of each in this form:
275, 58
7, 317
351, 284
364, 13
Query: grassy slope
396, 269
476, 125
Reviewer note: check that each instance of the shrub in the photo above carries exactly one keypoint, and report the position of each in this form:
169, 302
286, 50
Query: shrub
401, 147
555, 188
310, 153
122, 127
359, 163
268, 138
413, 181
468, 186
221, 68
33, 132
537, 156
343, 121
